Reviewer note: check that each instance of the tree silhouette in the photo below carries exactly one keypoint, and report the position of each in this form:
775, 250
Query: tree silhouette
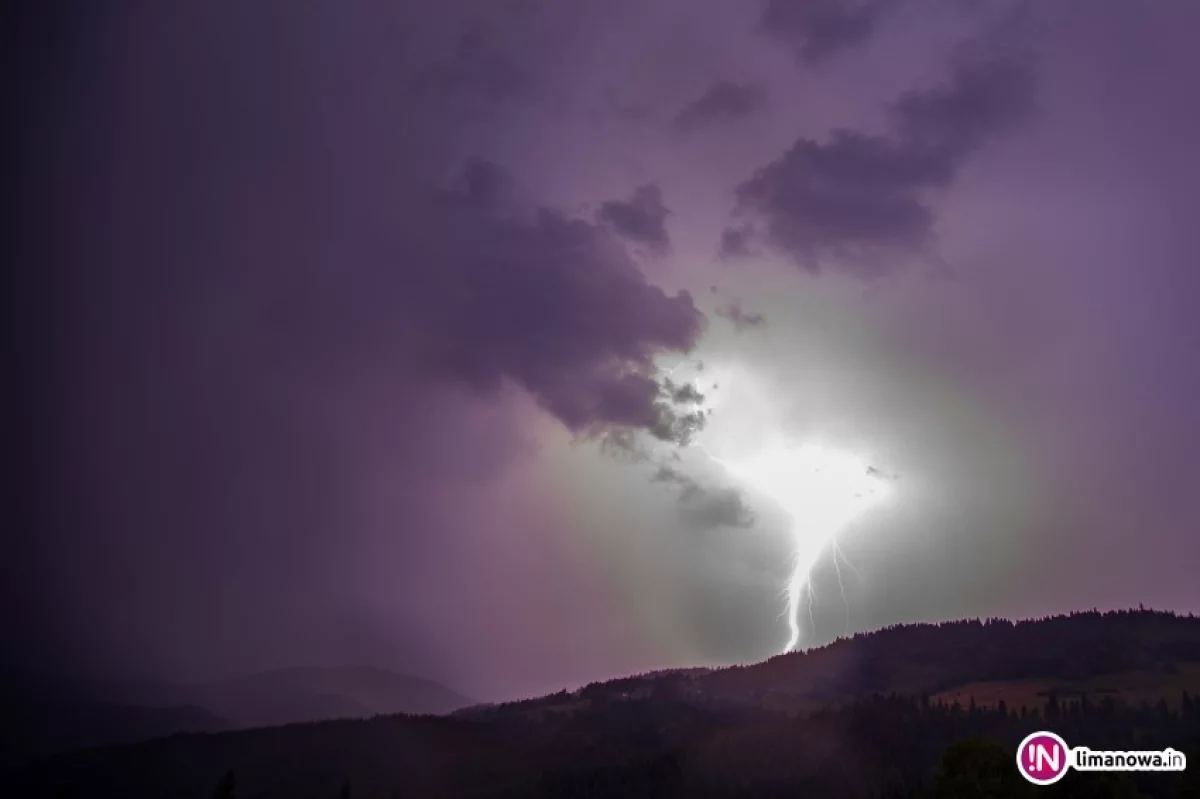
226, 788
980, 769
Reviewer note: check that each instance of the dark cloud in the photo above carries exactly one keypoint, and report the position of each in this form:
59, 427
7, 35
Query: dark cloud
641, 219
858, 193
688, 487
485, 183
686, 394
741, 319
624, 445
550, 302
852, 190
945, 124
818, 30
706, 508
724, 507
723, 100
679, 418
678, 427
735, 242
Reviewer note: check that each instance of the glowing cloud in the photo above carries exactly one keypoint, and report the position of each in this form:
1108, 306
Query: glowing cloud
822, 490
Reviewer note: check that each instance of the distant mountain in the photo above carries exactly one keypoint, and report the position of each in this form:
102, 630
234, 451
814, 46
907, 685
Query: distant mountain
286, 696
41, 714
910, 712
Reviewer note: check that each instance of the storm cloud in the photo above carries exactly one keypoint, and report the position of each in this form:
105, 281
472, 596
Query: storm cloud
844, 199
641, 219
573, 319
705, 507
819, 30
722, 101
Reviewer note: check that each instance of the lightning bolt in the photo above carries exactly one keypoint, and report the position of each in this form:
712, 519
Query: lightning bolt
795, 586
822, 493
840, 555
800, 587
821, 490
841, 586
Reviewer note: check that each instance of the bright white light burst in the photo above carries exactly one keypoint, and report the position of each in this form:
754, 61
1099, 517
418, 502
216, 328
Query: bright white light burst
822, 490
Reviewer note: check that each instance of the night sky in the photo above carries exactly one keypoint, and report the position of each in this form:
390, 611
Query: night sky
397, 333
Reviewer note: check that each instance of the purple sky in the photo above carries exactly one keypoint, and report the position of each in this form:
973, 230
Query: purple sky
354, 322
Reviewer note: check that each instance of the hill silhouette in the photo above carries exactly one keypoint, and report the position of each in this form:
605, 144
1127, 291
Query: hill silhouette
286, 696
861, 717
